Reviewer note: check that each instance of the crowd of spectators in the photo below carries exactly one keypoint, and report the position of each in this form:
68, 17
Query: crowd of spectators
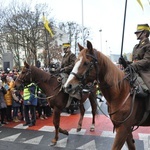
12, 100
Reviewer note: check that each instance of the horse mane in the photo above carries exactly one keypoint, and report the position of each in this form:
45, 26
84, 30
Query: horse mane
112, 74
40, 74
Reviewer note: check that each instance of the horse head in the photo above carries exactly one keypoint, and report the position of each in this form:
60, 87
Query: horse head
84, 70
24, 77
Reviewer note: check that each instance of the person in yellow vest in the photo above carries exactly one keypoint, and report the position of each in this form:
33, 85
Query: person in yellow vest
30, 103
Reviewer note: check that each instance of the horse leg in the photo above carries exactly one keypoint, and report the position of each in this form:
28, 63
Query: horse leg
120, 138
130, 142
82, 111
56, 122
94, 108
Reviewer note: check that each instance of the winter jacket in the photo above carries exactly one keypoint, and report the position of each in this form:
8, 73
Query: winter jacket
8, 95
2, 101
17, 98
42, 101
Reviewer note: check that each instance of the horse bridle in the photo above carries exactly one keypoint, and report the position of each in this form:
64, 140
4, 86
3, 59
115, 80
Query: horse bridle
92, 64
28, 72
81, 78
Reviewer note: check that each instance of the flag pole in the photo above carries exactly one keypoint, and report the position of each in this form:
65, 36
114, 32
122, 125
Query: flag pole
123, 27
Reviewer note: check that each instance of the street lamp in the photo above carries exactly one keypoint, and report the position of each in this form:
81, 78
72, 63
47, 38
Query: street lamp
100, 39
82, 22
106, 48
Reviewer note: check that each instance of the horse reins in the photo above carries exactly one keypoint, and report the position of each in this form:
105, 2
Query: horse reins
94, 63
49, 97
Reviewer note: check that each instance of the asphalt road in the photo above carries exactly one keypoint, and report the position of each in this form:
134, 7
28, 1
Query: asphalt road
12, 139
14, 136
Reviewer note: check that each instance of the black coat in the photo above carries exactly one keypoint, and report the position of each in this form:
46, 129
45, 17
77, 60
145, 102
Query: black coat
2, 101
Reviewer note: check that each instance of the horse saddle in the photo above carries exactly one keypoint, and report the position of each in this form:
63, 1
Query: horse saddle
136, 82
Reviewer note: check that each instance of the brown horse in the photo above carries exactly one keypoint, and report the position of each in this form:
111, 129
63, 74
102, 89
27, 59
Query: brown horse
57, 98
125, 109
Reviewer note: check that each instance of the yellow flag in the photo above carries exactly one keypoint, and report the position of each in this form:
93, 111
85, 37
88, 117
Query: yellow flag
139, 1
47, 27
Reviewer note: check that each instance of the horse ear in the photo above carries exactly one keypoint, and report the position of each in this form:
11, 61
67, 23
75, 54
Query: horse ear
80, 47
26, 64
89, 46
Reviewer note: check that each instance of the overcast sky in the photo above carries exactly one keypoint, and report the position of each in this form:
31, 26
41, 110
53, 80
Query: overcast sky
107, 15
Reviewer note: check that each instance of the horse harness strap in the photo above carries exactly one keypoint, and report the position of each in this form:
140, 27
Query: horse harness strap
120, 105
131, 110
95, 61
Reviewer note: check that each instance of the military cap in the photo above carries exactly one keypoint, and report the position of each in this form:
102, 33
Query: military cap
66, 45
142, 27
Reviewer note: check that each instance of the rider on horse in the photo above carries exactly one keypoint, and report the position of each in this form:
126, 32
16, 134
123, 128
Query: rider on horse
67, 63
68, 59
141, 55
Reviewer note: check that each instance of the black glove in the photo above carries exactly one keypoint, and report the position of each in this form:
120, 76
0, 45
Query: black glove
122, 62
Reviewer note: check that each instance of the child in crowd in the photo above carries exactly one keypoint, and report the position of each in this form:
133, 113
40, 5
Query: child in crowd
42, 104
16, 104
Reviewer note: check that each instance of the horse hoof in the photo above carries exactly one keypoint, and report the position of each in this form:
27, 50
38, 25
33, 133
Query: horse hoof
67, 133
79, 129
53, 142
92, 129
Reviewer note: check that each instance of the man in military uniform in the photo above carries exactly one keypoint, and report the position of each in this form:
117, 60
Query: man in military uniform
141, 56
66, 67
68, 59
141, 53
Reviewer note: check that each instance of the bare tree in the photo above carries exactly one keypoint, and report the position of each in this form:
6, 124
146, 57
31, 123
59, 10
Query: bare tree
74, 31
24, 31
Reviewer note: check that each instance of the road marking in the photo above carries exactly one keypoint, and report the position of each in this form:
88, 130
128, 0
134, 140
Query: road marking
108, 134
64, 114
20, 126
144, 138
74, 131
11, 138
35, 140
47, 128
62, 143
89, 146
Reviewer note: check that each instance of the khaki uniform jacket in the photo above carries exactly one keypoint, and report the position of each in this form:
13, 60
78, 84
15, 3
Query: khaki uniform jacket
68, 62
141, 60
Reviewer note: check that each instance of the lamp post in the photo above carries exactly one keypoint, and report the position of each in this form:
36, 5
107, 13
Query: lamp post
82, 22
106, 48
100, 39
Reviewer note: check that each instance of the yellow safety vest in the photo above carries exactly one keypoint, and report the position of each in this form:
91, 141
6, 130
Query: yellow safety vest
26, 92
